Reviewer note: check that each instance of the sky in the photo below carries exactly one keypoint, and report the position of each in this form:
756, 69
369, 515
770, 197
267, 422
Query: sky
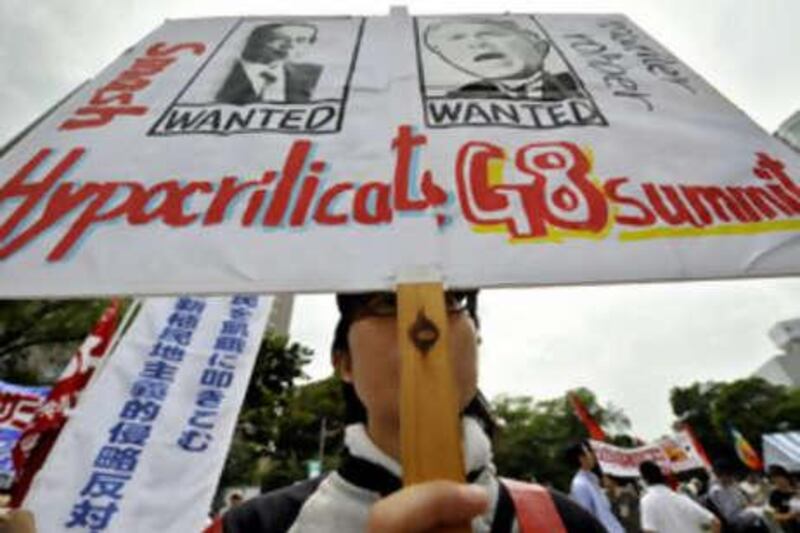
628, 343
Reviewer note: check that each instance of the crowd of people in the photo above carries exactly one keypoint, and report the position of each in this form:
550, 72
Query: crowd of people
365, 493
657, 502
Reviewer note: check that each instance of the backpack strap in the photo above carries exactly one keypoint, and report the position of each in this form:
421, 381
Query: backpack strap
536, 512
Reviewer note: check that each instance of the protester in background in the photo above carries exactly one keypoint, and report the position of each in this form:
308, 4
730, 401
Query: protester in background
755, 488
624, 502
585, 488
780, 499
365, 492
665, 511
235, 499
731, 503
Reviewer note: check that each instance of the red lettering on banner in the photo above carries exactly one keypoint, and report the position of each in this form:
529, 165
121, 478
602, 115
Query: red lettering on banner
547, 193
323, 215
646, 216
555, 192
407, 146
115, 98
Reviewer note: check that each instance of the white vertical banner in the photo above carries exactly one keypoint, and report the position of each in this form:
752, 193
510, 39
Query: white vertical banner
147, 444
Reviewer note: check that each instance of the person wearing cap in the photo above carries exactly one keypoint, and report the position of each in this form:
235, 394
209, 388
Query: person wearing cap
366, 492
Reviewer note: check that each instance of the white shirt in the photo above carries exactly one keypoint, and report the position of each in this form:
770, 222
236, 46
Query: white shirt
531, 88
268, 81
665, 511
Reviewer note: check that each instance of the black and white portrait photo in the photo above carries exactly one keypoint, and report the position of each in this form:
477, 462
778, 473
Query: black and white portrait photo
279, 75
506, 60
486, 60
271, 67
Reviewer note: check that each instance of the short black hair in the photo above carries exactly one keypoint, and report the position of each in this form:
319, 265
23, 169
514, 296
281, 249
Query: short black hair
574, 452
778, 471
723, 467
652, 473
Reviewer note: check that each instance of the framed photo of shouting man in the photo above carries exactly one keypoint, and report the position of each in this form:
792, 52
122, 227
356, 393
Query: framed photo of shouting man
271, 75
498, 71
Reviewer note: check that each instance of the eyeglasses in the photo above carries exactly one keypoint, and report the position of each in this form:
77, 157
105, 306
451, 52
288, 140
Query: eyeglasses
384, 304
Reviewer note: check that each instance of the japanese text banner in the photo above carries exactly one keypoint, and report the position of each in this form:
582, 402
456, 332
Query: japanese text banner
497, 150
160, 415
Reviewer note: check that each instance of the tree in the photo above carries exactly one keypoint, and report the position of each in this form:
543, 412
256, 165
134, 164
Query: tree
750, 406
313, 422
535, 434
694, 405
278, 365
753, 406
28, 326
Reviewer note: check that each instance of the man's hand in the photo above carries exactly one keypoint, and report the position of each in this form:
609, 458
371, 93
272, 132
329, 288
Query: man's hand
427, 507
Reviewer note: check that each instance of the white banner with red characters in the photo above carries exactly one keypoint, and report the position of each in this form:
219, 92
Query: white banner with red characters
673, 454
682, 452
17, 407
160, 415
242, 154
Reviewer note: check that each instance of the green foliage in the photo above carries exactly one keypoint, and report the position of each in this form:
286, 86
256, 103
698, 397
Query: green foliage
752, 405
280, 424
30, 325
534, 435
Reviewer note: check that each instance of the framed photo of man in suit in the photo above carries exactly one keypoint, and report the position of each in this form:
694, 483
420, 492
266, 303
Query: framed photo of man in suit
271, 68
271, 74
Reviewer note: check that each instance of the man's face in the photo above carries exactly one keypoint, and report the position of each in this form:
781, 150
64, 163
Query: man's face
373, 365
588, 460
488, 51
286, 43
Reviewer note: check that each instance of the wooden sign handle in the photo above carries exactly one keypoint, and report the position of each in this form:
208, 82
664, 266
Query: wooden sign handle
430, 426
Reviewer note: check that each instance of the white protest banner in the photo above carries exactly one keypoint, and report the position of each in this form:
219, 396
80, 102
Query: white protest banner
624, 462
681, 452
18, 404
571, 149
673, 454
145, 447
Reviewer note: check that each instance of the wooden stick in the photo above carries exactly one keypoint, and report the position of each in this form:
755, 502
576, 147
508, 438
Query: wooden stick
430, 426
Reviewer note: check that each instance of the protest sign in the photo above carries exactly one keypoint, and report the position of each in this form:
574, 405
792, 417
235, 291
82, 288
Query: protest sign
18, 404
674, 454
574, 149
624, 462
146, 446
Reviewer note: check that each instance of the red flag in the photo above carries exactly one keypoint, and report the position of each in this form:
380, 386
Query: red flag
38, 438
594, 429
698, 446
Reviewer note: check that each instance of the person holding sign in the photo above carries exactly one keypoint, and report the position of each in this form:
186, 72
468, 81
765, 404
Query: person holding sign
366, 356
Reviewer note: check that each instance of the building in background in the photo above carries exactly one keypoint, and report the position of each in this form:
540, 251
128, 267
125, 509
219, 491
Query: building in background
783, 369
789, 131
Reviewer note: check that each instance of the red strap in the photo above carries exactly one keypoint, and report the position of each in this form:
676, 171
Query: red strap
215, 527
536, 512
